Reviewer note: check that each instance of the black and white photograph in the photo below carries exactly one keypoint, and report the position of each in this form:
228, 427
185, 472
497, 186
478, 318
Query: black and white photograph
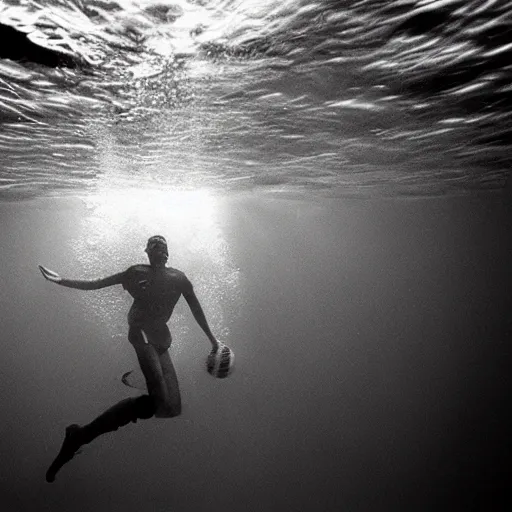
255, 255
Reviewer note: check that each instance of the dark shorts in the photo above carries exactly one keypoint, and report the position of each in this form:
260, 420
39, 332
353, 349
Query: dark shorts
156, 334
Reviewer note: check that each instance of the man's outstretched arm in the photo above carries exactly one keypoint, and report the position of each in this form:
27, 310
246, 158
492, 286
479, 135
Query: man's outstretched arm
198, 313
94, 284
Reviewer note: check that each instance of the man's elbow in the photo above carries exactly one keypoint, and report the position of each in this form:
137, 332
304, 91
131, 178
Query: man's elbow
196, 310
97, 284
194, 305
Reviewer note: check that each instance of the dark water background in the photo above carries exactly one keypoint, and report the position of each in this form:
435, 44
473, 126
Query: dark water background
330, 175
372, 341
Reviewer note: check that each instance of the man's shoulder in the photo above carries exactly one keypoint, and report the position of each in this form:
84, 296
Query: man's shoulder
142, 267
178, 276
133, 274
136, 269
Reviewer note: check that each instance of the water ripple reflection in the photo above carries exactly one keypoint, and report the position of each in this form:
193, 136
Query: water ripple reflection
378, 97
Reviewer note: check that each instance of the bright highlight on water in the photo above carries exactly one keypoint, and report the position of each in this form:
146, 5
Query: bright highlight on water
369, 98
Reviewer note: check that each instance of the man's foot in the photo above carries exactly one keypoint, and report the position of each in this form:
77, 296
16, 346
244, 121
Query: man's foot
69, 447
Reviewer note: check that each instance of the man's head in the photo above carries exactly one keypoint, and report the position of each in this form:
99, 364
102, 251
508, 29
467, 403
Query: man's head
156, 250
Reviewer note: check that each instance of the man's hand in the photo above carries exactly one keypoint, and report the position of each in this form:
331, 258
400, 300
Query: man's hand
215, 345
50, 275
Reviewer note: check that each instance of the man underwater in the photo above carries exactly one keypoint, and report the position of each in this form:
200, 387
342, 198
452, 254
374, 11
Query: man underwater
155, 289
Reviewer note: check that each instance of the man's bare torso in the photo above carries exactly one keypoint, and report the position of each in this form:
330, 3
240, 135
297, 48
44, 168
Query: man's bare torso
155, 292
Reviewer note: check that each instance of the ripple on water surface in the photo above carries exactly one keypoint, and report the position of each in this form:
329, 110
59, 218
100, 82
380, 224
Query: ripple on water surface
377, 96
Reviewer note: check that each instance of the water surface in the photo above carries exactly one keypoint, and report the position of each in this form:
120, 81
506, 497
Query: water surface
373, 97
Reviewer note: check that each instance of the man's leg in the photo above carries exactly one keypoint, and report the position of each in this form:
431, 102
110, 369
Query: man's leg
171, 381
124, 412
149, 363
157, 362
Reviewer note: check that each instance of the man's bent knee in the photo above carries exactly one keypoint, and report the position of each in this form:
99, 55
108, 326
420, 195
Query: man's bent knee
176, 410
166, 410
145, 407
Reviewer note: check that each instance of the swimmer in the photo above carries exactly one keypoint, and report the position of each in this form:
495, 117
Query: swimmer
155, 289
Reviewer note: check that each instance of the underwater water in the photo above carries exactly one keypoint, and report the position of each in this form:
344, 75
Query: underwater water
371, 340
332, 177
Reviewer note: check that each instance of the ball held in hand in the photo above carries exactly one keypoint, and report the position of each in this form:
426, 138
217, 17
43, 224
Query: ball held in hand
220, 362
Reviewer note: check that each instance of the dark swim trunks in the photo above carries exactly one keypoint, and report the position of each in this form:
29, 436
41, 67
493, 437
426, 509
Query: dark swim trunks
156, 334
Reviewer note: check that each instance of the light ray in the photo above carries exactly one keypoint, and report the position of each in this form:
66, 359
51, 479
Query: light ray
114, 231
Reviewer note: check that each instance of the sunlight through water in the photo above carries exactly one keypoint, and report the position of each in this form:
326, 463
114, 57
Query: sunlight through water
113, 234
